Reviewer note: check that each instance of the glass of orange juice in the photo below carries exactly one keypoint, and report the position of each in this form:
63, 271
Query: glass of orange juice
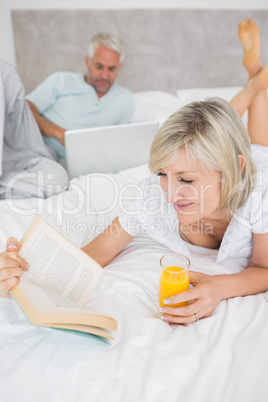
174, 277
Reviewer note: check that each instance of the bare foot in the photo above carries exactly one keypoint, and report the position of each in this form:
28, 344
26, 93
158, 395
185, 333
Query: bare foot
249, 35
260, 80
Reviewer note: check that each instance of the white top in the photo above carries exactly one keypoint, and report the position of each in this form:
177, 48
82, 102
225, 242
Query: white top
149, 213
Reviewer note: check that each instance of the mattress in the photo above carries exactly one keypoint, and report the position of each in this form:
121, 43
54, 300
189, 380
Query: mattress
221, 358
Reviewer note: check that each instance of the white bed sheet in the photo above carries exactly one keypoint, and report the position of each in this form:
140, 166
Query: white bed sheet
221, 358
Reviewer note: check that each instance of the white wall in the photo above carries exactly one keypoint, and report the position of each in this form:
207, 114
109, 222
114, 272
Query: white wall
6, 37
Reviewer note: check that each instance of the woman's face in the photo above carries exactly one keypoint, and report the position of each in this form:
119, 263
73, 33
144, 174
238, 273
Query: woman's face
195, 193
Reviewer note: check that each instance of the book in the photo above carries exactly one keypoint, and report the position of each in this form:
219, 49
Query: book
61, 278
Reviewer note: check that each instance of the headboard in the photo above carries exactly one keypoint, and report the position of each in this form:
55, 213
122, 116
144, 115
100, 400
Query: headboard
164, 49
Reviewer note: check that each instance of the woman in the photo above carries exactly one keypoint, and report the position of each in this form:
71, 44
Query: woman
207, 175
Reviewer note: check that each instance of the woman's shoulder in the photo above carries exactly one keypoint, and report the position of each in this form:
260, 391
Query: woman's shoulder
260, 156
150, 191
143, 193
255, 210
260, 190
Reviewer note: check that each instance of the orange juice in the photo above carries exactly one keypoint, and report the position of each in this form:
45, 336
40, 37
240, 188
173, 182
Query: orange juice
173, 280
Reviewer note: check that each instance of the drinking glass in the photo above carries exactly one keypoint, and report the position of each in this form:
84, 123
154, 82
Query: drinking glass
174, 277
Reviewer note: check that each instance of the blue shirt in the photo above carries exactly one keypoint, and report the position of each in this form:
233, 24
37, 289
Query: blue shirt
67, 100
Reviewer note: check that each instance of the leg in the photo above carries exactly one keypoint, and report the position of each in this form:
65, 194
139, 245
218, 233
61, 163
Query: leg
29, 168
254, 96
2, 120
255, 86
242, 101
258, 119
249, 35
38, 177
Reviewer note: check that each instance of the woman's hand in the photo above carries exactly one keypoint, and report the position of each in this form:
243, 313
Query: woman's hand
204, 297
12, 266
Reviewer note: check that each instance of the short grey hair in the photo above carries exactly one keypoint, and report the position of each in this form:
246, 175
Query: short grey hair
212, 133
107, 40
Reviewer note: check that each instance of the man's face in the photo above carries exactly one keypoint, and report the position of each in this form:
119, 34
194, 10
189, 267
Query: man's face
102, 69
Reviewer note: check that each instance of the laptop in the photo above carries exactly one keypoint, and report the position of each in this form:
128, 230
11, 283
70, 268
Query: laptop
108, 149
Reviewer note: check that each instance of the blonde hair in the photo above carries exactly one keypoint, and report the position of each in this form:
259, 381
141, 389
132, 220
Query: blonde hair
107, 40
211, 132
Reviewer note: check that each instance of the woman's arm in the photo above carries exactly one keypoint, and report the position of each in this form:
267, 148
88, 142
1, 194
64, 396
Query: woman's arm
103, 249
208, 291
254, 279
108, 244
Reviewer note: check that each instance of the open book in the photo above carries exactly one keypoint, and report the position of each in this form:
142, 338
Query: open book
59, 282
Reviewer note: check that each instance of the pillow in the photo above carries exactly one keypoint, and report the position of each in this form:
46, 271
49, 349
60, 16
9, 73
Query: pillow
154, 105
186, 96
199, 94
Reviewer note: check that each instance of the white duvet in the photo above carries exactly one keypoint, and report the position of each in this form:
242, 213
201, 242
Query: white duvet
222, 358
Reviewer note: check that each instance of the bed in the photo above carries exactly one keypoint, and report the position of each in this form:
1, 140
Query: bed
221, 358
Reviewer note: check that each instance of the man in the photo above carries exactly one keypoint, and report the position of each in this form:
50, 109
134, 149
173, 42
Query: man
28, 168
67, 101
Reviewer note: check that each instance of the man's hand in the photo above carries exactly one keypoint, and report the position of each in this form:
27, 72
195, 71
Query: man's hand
60, 135
46, 127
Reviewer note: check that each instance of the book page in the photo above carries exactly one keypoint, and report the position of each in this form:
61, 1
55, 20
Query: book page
44, 308
56, 264
45, 301
82, 328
